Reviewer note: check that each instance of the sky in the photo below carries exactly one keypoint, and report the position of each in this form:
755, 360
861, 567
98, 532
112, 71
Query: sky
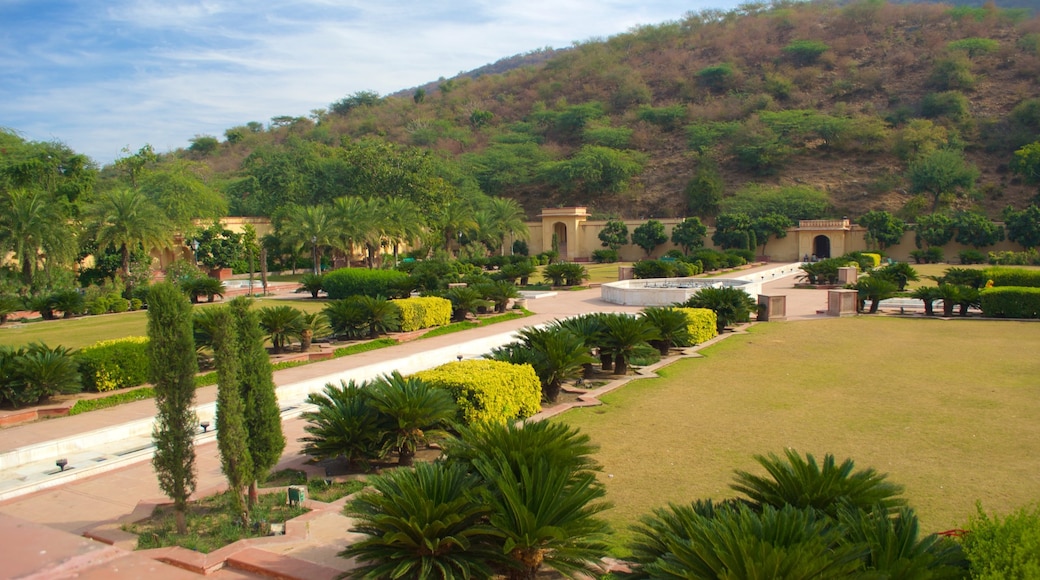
103, 75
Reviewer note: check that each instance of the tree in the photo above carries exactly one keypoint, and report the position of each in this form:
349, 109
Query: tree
263, 417
673, 327
689, 234
34, 227
705, 189
414, 411
933, 230
771, 225
942, 173
1023, 226
282, 324
976, 230
172, 364
509, 219
883, 229
649, 235
135, 164
1026, 162
309, 226
125, 219
733, 230
400, 221
876, 288
355, 222
614, 234
556, 353
235, 460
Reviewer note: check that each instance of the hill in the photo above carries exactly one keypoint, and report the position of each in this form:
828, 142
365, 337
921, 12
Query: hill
848, 100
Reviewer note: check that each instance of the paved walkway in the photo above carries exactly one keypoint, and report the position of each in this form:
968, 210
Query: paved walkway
34, 522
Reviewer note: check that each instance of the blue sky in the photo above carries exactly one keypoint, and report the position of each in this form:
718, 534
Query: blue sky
103, 75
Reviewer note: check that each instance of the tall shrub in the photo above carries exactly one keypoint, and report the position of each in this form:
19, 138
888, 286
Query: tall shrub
262, 416
232, 436
171, 353
114, 364
358, 281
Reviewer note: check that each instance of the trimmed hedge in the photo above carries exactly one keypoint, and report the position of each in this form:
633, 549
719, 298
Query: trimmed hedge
1013, 277
346, 282
488, 390
1010, 302
114, 364
424, 312
702, 324
875, 258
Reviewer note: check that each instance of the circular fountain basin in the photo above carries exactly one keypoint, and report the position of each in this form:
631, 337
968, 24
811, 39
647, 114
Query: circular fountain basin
668, 291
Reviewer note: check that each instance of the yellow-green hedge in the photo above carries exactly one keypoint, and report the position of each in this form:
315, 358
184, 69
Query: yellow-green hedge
114, 364
876, 259
488, 390
702, 324
424, 312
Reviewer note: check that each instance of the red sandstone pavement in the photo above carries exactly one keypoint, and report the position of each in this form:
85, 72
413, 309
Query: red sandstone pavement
32, 544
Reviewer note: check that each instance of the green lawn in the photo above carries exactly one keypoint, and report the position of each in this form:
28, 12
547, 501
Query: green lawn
948, 409
86, 330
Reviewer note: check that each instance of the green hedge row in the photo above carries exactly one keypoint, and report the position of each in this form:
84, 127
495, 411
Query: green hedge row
424, 312
114, 364
702, 324
488, 390
1010, 302
345, 282
1013, 277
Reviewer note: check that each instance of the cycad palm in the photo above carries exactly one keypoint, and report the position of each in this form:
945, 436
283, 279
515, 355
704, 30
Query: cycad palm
425, 522
524, 444
344, 424
415, 412
313, 325
557, 355
672, 325
804, 483
730, 304
126, 218
282, 324
896, 549
625, 336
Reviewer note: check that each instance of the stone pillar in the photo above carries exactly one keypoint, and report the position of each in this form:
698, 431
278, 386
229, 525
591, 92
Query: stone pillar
848, 275
772, 307
624, 273
842, 302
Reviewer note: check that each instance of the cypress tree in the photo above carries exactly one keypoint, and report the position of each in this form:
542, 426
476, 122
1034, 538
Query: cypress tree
263, 417
171, 354
232, 437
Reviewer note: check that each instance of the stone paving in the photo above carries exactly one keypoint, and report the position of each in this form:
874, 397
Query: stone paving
41, 533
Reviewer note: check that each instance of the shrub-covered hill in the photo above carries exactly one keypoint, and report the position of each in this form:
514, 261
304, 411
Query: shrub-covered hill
879, 105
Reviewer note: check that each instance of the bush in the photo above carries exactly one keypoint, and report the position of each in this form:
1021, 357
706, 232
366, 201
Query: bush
747, 256
702, 324
118, 304
1012, 277
346, 282
644, 269
709, 259
932, 255
565, 274
971, 257
805, 51
36, 372
1006, 547
488, 391
875, 259
114, 364
425, 312
606, 256
1010, 302
1032, 257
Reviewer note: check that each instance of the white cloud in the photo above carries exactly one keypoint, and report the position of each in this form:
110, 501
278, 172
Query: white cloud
102, 75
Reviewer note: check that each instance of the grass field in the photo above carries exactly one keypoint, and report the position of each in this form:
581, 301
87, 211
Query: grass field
86, 330
949, 409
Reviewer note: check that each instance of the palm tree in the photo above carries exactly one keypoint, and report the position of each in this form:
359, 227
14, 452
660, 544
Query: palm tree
401, 222
347, 317
34, 226
672, 325
8, 305
355, 222
509, 219
900, 273
344, 424
125, 219
69, 302
928, 295
464, 301
455, 217
282, 324
198, 287
625, 336
312, 284
804, 483
448, 538
876, 289
590, 328
414, 412
729, 303
896, 548
381, 315
524, 443
309, 226
46, 372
